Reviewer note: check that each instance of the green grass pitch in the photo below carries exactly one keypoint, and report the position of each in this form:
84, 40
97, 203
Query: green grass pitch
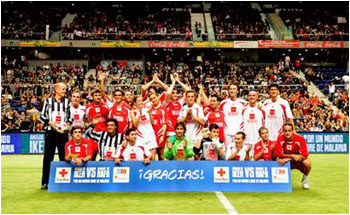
329, 193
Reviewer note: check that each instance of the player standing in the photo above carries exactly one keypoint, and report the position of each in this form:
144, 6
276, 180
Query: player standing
97, 109
232, 108
120, 112
277, 112
216, 116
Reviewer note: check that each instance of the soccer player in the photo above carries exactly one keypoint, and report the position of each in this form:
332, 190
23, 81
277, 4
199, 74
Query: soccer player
78, 149
148, 89
179, 146
174, 104
120, 112
108, 141
131, 152
128, 103
263, 150
237, 150
192, 115
277, 112
232, 108
97, 110
77, 110
141, 119
292, 147
253, 119
216, 116
159, 123
211, 148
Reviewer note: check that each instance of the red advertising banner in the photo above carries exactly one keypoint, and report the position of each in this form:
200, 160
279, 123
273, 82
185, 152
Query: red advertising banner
167, 44
324, 44
278, 43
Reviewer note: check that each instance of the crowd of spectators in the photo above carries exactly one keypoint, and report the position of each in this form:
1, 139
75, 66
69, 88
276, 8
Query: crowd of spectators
118, 21
28, 20
318, 22
238, 21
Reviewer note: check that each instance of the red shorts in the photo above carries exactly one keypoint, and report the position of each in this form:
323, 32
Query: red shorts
162, 144
298, 165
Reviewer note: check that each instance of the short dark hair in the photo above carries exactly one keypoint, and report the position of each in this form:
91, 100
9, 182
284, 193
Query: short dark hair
95, 91
180, 124
242, 133
216, 96
261, 129
153, 87
213, 126
113, 120
127, 133
118, 90
288, 124
75, 128
274, 85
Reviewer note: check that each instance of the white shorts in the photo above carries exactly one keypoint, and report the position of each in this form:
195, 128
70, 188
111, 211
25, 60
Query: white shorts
148, 144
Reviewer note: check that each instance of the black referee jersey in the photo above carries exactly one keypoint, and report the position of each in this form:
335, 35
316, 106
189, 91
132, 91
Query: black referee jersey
105, 141
51, 108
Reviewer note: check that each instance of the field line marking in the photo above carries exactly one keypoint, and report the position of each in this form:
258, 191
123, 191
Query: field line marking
224, 201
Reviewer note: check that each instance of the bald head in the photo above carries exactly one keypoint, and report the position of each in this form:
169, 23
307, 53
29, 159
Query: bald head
253, 97
60, 90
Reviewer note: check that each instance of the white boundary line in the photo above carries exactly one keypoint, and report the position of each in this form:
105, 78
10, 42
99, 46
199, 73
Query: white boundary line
230, 209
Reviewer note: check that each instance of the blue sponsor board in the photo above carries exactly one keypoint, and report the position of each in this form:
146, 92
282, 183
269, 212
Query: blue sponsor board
326, 142
171, 176
10, 143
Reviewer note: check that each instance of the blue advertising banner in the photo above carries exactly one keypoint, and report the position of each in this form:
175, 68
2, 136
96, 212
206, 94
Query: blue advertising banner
10, 143
326, 142
171, 176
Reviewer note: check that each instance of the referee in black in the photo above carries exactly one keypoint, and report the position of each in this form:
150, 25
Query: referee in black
56, 110
108, 141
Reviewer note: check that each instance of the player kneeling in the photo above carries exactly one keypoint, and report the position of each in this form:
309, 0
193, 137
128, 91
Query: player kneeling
210, 148
237, 150
179, 146
78, 149
263, 149
292, 147
131, 152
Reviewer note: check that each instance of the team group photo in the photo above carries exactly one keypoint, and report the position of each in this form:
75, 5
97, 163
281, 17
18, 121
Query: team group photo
176, 107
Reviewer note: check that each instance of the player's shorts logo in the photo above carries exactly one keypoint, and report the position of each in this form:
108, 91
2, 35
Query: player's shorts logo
63, 174
221, 175
121, 174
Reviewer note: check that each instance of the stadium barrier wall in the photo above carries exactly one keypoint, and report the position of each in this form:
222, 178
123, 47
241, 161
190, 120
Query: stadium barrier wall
171, 176
177, 44
33, 143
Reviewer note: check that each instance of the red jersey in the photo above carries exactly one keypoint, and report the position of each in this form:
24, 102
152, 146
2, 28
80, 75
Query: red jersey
80, 150
160, 118
120, 113
173, 112
100, 111
218, 118
267, 154
296, 146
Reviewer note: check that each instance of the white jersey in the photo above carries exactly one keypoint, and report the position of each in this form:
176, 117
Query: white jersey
78, 115
276, 116
231, 148
253, 120
286, 105
233, 117
109, 102
144, 130
192, 128
133, 153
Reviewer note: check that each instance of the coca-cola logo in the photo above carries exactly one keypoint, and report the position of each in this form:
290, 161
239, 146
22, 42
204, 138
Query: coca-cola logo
167, 44
324, 44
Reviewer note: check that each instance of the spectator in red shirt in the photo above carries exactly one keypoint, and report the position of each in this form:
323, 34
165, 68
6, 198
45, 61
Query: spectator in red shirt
292, 147
78, 149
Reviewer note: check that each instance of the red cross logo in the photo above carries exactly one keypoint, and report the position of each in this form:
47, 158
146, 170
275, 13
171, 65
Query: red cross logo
221, 172
63, 172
